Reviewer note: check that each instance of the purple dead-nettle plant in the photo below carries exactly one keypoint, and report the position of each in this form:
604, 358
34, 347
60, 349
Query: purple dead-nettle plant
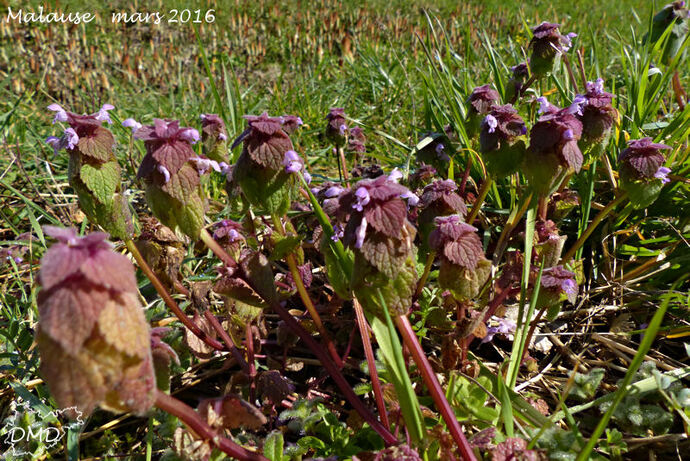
464, 269
501, 141
336, 128
597, 116
214, 137
327, 194
548, 243
230, 236
499, 326
520, 76
440, 198
558, 284
376, 228
553, 150
93, 169
480, 102
356, 140
170, 170
677, 15
547, 45
642, 172
291, 123
163, 356
261, 170
92, 334
422, 176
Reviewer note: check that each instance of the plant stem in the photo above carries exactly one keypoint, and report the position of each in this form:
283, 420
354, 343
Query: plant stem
343, 165
419, 357
371, 362
486, 185
335, 373
169, 301
593, 225
250, 357
465, 175
316, 348
192, 420
212, 245
306, 300
427, 268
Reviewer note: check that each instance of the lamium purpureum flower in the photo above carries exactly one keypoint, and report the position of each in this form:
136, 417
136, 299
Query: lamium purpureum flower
547, 45
356, 140
94, 172
92, 334
435, 153
480, 102
336, 128
557, 285
260, 170
640, 171
499, 326
214, 137
170, 170
438, 199
131, 124
520, 75
597, 116
381, 237
291, 123
553, 150
499, 141
464, 268
548, 242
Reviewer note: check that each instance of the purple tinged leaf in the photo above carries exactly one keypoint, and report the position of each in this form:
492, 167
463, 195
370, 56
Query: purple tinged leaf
387, 217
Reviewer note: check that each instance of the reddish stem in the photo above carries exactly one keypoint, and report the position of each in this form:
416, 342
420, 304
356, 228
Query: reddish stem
318, 350
465, 175
169, 301
250, 357
410, 340
192, 420
371, 363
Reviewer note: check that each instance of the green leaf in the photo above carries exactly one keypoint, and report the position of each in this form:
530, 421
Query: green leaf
273, 446
101, 179
284, 245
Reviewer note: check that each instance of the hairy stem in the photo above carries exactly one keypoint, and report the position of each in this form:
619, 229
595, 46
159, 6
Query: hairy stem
419, 357
169, 301
194, 422
593, 225
323, 356
343, 165
371, 362
306, 300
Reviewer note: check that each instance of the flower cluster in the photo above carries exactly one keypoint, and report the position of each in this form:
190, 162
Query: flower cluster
92, 333
641, 171
498, 140
214, 137
381, 237
553, 146
336, 128
291, 123
557, 285
264, 168
438, 199
547, 44
464, 269
93, 169
171, 172
520, 75
596, 114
